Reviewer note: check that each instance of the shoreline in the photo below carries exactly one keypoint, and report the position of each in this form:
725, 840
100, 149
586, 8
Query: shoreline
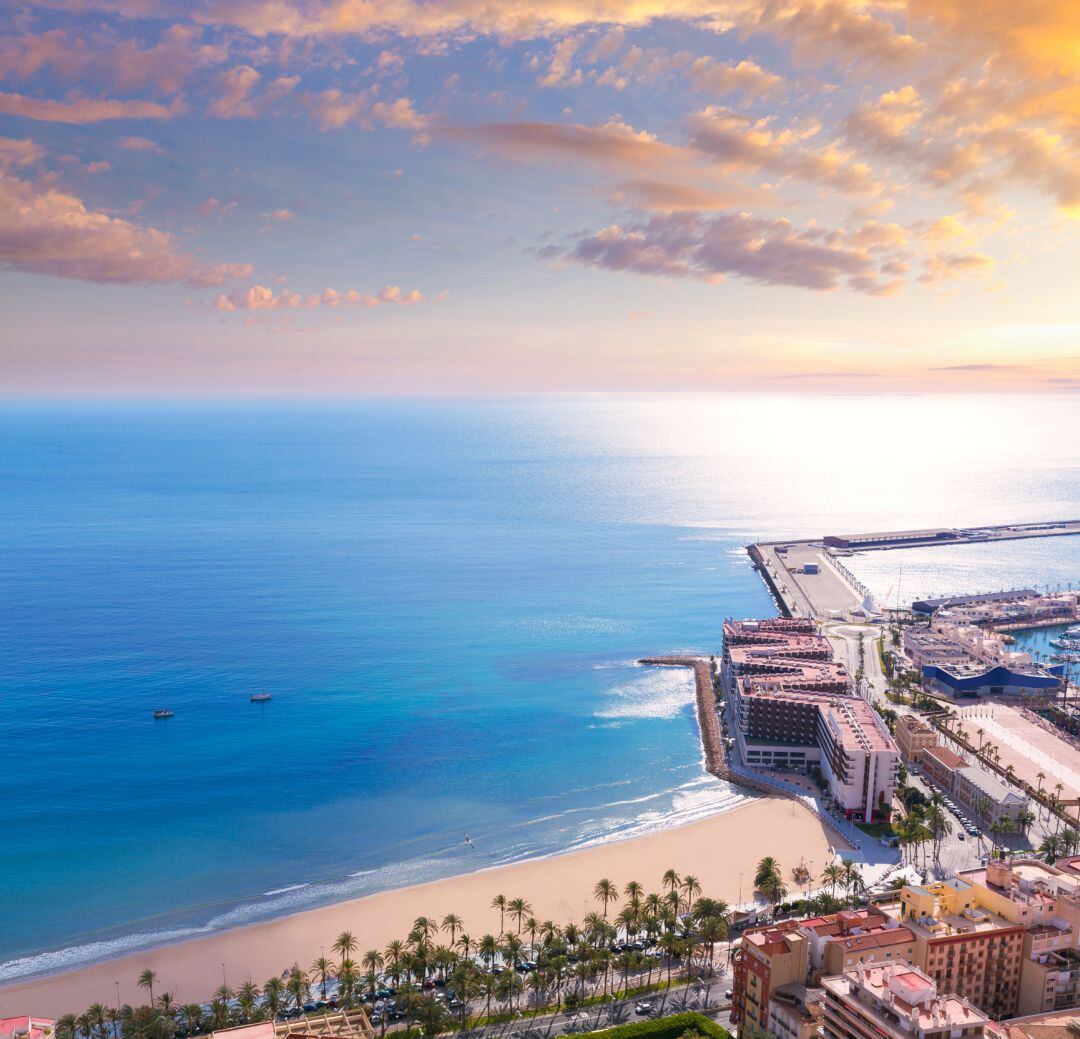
721, 850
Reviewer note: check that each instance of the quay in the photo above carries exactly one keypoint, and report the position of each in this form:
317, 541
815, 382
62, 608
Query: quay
808, 578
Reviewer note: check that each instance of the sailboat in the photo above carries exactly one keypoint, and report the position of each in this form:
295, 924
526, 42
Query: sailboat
262, 696
163, 712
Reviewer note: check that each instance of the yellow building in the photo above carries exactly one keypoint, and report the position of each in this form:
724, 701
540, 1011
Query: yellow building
913, 737
966, 947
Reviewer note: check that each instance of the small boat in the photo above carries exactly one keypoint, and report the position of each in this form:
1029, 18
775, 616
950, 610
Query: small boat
260, 697
163, 712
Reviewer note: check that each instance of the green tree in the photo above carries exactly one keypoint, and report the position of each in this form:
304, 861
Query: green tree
499, 902
147, 980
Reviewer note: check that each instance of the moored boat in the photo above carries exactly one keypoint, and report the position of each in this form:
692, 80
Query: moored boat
260, 697
163, 712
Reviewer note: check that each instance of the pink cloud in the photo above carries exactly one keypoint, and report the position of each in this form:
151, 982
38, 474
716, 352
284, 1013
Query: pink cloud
741, 143
708, 248
86, 109
19, 152
141, 144
709, 76
234, 89
125, 64
49, 231
262, 297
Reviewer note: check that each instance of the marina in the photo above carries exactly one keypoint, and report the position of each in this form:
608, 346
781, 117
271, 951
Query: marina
808, 578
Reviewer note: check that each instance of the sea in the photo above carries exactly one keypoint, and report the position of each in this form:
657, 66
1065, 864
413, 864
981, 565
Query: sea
445, 600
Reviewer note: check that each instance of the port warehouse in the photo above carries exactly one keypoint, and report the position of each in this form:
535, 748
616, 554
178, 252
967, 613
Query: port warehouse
793, 705
893, 538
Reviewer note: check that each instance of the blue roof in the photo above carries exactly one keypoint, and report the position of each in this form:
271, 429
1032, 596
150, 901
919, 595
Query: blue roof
1046, 678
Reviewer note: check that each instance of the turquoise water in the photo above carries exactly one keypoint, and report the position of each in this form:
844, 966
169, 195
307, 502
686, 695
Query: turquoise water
445, 600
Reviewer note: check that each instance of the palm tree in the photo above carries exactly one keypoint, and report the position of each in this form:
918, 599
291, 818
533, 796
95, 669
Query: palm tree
348, 975
66, 1027
395, 952
532, 925
146, 981
1050, 848
345, 944
499, 902
273, 996
451, 924
191, 1015
605, 892
832, 874
518, 909
767, 869
321, 970
691, 887
634, 891
248, 997
298, 986
96, 1016
671, 880
372, 961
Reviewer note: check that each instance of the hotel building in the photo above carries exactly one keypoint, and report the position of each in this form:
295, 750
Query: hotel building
793, 705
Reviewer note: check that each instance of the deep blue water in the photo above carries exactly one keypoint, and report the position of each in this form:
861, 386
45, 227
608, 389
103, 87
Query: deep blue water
445, 600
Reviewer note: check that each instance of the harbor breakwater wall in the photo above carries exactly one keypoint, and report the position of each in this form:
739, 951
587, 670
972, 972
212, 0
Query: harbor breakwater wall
714, 749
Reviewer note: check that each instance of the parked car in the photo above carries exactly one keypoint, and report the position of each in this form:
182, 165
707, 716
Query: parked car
643, 1007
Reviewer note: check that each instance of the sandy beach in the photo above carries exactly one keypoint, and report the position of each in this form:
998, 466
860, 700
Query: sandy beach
716, 850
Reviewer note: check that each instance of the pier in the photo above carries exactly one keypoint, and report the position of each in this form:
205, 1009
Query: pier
807, 576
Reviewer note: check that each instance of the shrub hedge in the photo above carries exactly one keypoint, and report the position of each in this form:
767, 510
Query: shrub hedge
664, 1028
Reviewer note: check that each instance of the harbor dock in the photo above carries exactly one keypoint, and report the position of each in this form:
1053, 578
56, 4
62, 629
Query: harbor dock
807, 577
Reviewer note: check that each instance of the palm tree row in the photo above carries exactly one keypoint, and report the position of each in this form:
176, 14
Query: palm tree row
529, 961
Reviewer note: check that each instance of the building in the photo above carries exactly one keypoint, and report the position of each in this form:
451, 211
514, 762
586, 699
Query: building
1061, 1024
1002, 611
1045, 901
963, 945
841, 941
891, 538
793, 705
939, 765
931, 606
989, 798
896, 1001
767, 958
913, 736
962, 660
26, 1027
795, 1012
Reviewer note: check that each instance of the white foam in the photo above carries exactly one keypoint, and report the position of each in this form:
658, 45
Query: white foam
659, 693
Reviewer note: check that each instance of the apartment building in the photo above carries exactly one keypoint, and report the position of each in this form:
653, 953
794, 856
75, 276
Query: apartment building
896, 1001
841, 941
767, 958
1044, 900
964, 946
795, 1012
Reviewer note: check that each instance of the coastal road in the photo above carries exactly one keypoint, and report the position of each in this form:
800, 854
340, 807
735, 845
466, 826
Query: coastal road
703, 996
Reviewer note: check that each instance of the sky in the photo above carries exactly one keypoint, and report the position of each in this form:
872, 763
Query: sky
473, 196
